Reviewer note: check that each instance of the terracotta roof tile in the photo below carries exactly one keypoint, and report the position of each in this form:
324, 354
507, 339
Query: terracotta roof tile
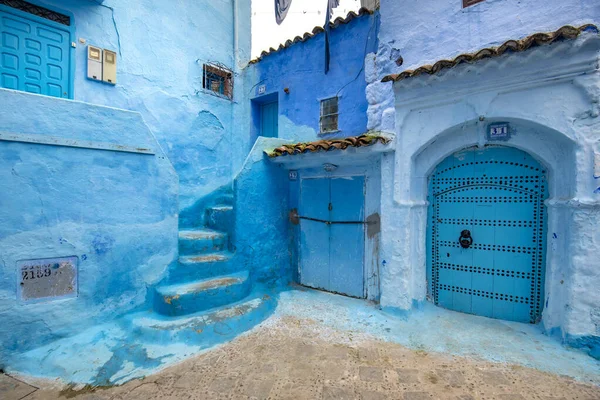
316, 30
537, 39
327, 145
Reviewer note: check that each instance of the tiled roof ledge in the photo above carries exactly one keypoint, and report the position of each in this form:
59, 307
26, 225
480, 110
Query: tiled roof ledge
316, 30
538, 39
325, 145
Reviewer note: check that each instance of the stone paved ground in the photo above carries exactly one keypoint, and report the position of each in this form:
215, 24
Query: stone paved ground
291, 358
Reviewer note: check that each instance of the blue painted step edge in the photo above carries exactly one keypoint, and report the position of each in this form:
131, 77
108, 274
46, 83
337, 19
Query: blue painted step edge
220, 218
201, 241
192, 297
204, 266
206, 328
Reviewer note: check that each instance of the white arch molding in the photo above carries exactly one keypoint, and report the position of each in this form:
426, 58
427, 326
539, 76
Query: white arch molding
550, 97
554, 150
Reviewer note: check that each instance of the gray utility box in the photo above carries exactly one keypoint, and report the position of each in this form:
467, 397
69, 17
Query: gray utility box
94, 63
109, 67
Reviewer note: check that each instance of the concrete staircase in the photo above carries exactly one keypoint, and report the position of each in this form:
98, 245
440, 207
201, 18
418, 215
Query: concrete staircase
207, 288
208, 298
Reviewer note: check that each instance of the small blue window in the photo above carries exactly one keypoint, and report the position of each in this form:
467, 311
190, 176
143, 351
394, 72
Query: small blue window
218, 79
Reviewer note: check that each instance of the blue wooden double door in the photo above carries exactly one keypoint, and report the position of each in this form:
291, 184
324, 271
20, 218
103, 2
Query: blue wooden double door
486, 234
34, 54
332, 234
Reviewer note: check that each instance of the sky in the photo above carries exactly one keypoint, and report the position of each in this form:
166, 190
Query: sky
303, 16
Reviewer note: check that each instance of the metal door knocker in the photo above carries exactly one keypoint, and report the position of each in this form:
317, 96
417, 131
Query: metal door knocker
465, 239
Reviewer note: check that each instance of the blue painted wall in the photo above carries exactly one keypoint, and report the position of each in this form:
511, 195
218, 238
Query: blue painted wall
116, 211
262, 231
161, 46
300, 68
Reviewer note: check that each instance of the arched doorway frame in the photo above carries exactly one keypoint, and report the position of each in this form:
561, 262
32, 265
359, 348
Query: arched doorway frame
555, 151
550, 96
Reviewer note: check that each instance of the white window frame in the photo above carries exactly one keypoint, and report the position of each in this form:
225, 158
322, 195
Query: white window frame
323, 116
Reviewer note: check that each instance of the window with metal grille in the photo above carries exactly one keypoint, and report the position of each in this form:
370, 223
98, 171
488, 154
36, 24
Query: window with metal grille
38, 10
468, 3
329, 115
218, 79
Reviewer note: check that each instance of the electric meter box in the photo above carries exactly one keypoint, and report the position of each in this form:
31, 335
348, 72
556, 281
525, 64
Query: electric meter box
109, 67
94, 63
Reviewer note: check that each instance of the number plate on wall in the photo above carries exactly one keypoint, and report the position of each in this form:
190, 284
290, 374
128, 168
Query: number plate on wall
499, 132
49, 278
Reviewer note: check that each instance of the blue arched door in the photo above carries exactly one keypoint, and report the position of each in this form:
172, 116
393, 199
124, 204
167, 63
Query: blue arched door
486, 236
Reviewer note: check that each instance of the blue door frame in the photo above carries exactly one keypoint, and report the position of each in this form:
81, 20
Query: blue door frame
332, 234
36, 55
486, 234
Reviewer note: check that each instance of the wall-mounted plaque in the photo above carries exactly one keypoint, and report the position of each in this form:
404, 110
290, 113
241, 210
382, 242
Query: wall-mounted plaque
468, 3
500, 131
49, 278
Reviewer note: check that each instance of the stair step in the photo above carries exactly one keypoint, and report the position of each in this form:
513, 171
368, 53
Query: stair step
205, 258
201, 241
207, 327
204, 266
191, 297
222, 208
220, 217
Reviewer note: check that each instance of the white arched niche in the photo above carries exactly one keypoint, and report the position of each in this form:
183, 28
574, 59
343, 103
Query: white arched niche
554, 151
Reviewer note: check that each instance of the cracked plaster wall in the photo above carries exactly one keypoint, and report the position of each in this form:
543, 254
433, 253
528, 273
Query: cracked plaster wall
118, 212
549, 95
262, 236
115, 211
433, 117
423, 32
300, 68
161, 47
263, 185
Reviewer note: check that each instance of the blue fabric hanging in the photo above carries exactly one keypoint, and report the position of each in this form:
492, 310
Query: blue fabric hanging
331, 4
281, 9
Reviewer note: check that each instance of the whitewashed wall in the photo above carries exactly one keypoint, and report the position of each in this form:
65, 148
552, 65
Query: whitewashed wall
550, 96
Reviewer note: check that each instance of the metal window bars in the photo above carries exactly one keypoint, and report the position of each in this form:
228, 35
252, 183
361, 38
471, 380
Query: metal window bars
218, 79
37, 10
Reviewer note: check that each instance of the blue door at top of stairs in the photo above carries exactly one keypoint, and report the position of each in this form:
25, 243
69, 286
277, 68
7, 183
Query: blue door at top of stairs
332, 253
269, 115
34, 54
486, 236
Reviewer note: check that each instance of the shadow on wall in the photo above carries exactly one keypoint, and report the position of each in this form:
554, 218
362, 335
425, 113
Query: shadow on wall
197, 142
261, 202
195, 215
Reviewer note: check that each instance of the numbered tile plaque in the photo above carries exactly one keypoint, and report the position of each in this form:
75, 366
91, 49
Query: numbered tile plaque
47, 279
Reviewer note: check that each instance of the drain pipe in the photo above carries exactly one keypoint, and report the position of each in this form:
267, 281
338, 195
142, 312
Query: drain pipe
235, 36
235, 78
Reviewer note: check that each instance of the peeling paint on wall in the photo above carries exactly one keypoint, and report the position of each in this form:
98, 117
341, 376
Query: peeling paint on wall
117, 210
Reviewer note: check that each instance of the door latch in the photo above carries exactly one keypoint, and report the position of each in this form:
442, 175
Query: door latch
295, 218
465, 239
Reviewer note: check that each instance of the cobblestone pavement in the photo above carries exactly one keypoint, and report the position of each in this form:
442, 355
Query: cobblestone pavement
291, 358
